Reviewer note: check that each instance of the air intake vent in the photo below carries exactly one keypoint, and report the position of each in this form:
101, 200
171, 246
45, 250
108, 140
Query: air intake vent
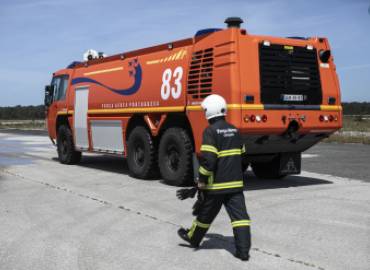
200, 74
289, 75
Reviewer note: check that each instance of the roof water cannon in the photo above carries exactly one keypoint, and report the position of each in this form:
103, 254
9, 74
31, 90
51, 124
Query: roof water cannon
90, 55
102, 55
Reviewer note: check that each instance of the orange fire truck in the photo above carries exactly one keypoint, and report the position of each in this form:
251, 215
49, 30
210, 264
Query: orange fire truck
282, 94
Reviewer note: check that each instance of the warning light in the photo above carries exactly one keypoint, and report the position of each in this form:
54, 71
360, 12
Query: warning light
264, 118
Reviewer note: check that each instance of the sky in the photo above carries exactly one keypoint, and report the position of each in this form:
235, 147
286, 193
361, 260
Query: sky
38, 37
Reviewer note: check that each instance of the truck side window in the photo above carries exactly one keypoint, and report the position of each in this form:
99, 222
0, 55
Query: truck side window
55, 82
60, 86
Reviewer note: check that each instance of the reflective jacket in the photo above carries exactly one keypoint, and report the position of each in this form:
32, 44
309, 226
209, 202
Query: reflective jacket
221, 166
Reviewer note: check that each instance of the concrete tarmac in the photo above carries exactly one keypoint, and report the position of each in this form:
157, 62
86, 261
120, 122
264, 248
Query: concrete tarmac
95, 216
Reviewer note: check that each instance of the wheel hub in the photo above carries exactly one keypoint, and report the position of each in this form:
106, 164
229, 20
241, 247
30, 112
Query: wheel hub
139, 154
173, 157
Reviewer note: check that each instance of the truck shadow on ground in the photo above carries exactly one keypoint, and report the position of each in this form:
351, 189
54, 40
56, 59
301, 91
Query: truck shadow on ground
251, 182
118, 165
105, 163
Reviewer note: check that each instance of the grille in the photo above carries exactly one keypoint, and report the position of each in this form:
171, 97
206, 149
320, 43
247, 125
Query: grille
200, 74
289, 75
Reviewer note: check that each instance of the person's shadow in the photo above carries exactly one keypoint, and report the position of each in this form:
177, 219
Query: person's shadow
216, 241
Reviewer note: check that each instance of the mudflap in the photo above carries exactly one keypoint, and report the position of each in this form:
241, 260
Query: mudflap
290, 163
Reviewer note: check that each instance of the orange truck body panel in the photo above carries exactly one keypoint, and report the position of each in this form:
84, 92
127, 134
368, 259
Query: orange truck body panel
139, 83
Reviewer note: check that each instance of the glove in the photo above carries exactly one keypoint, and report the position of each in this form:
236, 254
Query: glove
186, 193
199, 203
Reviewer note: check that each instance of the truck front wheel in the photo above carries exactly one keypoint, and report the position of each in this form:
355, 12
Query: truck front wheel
141, 155
175, 157
66, 148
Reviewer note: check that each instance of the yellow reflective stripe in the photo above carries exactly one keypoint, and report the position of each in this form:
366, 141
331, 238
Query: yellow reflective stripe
211, 187
208, 148
103, 71
230, 107
230, 152
138, 110
210, 179
241, 223
243, 149
330, 108
223, 153
260, 107
195, 224
233, 184
192, 229
202, 225
204, 171
63, 113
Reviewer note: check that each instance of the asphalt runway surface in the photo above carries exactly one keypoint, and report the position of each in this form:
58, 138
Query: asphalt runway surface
95, 216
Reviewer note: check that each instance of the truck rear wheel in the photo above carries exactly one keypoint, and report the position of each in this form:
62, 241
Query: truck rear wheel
65, 146
175, 157
268, 170
141, 154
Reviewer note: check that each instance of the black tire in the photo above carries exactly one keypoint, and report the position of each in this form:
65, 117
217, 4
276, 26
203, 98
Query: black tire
141, 154
66, 147
175, 157
268, 170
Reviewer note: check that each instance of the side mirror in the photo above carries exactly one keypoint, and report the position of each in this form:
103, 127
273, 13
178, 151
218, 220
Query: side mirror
49, 92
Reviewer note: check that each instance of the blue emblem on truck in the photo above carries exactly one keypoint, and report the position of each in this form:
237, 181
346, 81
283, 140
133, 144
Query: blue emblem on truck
136, 73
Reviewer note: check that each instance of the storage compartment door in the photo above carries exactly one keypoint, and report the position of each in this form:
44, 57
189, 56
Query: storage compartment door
80, 118
107, 136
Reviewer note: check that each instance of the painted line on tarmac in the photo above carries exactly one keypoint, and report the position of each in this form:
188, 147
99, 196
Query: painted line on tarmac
309, 155
132, 211
65, 189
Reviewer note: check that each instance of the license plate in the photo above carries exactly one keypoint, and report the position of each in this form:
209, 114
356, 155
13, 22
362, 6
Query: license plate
293, 97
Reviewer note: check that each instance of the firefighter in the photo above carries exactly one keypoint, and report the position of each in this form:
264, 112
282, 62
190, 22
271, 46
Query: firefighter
220, 179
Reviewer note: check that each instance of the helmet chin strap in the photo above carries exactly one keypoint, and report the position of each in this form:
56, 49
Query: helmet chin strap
215, 119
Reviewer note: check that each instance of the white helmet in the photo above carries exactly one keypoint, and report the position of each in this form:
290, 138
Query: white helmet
213, 106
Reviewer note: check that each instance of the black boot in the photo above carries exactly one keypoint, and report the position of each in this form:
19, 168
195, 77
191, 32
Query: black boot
183, 233
243, 257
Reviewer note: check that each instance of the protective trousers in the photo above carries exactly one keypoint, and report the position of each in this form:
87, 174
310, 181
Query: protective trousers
237, 211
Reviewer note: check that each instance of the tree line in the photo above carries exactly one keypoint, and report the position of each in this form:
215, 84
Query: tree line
22, 112
356, 108
38, 112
